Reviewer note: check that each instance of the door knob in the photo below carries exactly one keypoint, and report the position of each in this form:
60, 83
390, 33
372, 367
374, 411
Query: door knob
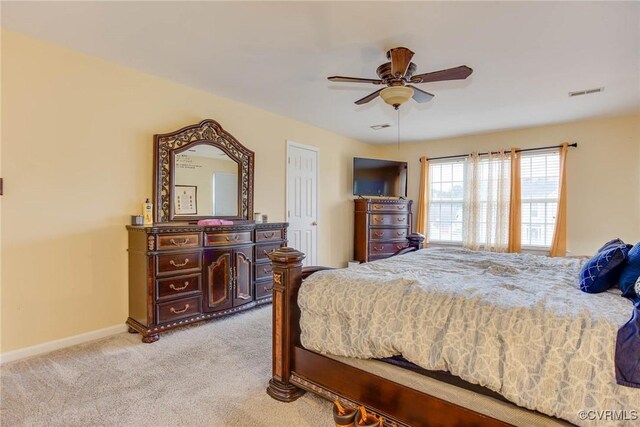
314, 223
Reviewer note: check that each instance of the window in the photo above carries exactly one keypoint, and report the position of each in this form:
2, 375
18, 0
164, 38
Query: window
446, 201
539, 174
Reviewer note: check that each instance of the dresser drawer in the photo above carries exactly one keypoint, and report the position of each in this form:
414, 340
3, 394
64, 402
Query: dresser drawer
266, 235
264, 289
177, 286
385, 248
178, 262
262, 251
178, 309
228, 238
387, 233
264, 271
390, 207
390, 219
177, 241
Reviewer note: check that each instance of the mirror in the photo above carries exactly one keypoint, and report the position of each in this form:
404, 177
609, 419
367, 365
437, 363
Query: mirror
202, 172
205, 183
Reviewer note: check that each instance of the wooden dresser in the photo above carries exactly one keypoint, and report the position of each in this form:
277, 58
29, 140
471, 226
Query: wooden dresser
381, 227
180, 274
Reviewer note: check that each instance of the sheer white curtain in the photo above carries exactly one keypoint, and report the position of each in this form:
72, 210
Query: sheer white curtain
487, 187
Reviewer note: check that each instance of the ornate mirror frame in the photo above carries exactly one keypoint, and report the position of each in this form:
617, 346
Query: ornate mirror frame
167, 145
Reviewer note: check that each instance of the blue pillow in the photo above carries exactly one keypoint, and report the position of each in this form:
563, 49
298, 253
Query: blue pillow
603, 270
630, 274
610, 244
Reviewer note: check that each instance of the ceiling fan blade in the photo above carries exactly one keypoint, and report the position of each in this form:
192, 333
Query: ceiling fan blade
457, 73
354, 80
400, 59
420, 95
369, 97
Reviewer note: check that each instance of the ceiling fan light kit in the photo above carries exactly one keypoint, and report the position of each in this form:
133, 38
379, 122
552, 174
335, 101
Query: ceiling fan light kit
398, 73
396, 95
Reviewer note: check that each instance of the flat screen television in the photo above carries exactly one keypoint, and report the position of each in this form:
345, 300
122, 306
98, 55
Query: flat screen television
385, 178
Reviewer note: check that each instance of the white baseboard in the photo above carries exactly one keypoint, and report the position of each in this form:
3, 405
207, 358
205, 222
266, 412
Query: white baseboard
47, 347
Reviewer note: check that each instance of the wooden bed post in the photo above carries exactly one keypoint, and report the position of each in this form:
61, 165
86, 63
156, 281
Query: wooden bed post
415, 240
414, 243
287, 277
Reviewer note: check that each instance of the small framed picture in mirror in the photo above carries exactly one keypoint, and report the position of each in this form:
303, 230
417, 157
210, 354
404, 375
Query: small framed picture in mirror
186, 200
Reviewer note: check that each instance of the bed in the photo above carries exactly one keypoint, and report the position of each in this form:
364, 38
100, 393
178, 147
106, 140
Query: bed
515, 325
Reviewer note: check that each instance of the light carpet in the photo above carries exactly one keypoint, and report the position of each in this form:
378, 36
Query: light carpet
210, 374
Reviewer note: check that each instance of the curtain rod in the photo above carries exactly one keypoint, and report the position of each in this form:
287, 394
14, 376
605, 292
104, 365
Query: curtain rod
575, 144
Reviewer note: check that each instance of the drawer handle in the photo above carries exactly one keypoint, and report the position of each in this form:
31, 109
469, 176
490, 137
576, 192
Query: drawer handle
236, 237
178, 243
399, 247
400, 219
375, 248
174, 311
378, 207
378, 233
400, 233
378, 219
172, 286
269, 235
186, 261
400, 207
269, 289
264, 251
264, 270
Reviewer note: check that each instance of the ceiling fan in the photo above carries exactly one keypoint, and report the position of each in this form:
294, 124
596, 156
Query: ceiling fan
397, 75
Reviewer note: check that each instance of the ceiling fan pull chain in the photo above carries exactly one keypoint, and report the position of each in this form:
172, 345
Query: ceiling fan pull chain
398, 110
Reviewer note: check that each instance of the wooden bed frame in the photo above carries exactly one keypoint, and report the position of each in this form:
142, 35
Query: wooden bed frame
296, 370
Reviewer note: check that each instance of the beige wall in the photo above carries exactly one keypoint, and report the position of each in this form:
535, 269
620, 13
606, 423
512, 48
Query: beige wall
77, 161
603, 172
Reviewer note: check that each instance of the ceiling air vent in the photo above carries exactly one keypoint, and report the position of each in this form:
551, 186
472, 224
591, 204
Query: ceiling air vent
378, 127
586, 92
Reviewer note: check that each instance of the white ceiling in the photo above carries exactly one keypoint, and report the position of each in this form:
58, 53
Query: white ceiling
526, 56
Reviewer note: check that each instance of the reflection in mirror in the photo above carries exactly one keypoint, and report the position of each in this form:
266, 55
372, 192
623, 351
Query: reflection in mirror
206, 182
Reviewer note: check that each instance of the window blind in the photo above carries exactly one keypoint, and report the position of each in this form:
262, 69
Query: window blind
540, 174
446, 201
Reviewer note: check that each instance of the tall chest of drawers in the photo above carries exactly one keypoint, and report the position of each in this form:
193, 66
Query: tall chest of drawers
381, 227
181, 274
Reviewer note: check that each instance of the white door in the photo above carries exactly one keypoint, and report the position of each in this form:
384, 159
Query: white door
302, 200
225, 196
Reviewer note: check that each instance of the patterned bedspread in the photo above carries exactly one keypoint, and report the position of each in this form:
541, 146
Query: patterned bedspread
514, 323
